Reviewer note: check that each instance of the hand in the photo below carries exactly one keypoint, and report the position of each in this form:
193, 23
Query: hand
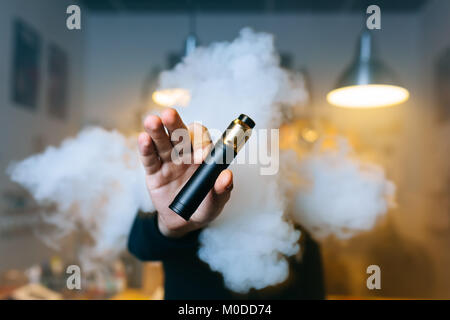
164, 178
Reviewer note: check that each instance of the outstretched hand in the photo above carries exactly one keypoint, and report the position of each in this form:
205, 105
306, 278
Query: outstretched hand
165, 177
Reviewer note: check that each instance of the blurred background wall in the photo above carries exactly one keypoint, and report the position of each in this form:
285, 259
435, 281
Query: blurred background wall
24, 132
322, 43
118, 49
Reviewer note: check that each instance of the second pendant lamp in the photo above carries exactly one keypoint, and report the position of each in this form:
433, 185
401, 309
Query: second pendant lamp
367, 82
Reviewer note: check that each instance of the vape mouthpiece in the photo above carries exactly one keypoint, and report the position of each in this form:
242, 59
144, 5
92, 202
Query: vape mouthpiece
246, 119
225, 150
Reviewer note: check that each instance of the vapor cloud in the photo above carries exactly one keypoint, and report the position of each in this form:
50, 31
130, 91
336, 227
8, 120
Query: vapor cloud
337, 193
97, 184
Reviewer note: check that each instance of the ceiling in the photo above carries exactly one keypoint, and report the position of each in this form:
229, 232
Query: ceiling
257, 6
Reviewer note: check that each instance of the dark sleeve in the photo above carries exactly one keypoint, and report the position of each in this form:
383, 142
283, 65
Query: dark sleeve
147, 243
314, 286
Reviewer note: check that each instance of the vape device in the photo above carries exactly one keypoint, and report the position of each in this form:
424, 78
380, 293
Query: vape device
220, 157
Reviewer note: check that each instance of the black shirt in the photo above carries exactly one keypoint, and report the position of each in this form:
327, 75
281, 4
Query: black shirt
187, 277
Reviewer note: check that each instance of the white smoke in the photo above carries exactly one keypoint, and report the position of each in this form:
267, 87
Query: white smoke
229, 78
338, 194
250, 240
97, 184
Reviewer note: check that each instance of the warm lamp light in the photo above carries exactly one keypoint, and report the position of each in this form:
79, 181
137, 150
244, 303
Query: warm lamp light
178, 96
367, 83
172, 97
368, 96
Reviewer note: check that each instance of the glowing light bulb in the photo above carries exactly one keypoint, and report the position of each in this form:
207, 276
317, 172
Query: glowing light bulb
309, 135
172, 97
368, 96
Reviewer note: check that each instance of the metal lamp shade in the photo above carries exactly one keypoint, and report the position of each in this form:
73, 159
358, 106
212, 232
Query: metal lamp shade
367, 82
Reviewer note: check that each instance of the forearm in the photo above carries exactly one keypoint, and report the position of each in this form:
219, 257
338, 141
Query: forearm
148, 243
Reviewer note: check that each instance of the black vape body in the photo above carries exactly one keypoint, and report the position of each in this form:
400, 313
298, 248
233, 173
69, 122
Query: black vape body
202, 181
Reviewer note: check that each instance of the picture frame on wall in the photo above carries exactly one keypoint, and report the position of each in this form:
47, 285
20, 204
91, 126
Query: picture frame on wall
27, 51
57, 88
442, 80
